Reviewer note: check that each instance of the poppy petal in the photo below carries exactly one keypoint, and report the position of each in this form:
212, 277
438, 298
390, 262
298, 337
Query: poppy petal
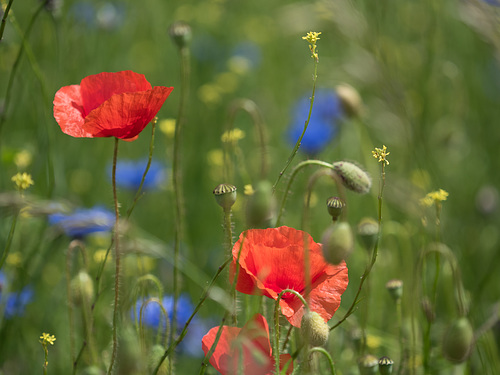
219, 358
68, 111
124, 116
98, 88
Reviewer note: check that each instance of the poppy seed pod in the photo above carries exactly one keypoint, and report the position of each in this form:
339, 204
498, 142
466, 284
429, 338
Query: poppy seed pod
315, 328
350, 99
338, 242
367, 232
261, 206
385, 365
457, 341
335, 206
395, 289
180, 32
225, 195
353, 177
82, 288
368, 364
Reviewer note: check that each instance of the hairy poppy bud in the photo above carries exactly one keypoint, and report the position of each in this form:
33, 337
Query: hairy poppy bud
368, 364
367, 232
180, 32
457, 341
338, 242
225, 195
82, 288
335, 206
350, 99
353, 177
385, 365
155, 354
315, 328
261, 206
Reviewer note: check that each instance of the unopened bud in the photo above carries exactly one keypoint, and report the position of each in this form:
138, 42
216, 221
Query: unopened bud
261, 206
353, 177
155, 354
337, 242
457, 341
82, 289
335, 206
367, 232
315, 328
225, 195
350, 99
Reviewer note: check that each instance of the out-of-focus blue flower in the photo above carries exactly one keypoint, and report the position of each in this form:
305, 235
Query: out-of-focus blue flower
493, 2
129, 174
250, 52
152, 317
107, 16
84, 221
14, 303
326, 114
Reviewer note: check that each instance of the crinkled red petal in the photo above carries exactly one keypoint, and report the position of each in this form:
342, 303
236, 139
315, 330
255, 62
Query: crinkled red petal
124, 116
68, 111
272, 260
98, 88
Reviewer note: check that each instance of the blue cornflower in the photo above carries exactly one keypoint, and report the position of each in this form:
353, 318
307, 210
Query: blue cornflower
493, 2
326, 114
129, 174
15, 303
84, 221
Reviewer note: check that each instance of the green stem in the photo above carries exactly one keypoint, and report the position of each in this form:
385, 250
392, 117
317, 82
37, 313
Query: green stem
195, 311
297, 168
116, 311
276, 349
326, 354
297, 145
9, 239
228, 244
4, 18
214, 345
177, 182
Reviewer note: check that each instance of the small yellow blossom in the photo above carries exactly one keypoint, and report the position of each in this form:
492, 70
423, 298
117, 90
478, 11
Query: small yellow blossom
47, 338
14, 259
312, 37
23, 159
100, 255
232, 136
22, 180
167, 127
434, 197
248, 190
381, 154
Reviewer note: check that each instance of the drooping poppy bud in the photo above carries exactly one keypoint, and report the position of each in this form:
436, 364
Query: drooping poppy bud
315, 328
261, 206
353, 177
458, 340
338, 242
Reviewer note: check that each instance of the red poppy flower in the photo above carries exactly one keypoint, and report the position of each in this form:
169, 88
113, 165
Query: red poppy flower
253, 338
272, 260
108, 105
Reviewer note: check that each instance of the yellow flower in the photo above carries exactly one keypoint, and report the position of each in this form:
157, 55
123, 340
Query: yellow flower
434, 197
167, 127
22, 180
232, 136
381, 154
23, 159
248, 190
312, 37
47, 338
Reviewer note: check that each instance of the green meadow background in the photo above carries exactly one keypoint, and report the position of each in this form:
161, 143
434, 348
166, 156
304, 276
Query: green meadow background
429, 76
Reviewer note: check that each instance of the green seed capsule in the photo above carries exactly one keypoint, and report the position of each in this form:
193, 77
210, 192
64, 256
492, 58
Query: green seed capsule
180, 32
353, 177
457, 341
368, 364
314, 327
395, 289
337, 242
368, 232
385, 365
335, 206
225, 195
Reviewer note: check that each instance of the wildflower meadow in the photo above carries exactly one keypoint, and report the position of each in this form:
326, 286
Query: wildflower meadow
249, 187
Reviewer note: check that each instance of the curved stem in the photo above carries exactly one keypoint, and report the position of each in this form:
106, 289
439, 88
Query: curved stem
297, 145
116, 311
326, 354
297, 168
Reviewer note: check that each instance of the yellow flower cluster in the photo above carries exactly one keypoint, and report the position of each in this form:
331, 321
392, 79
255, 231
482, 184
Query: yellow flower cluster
434, 197
22, 180
232, 136
312, 37
47, 338
381, 154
